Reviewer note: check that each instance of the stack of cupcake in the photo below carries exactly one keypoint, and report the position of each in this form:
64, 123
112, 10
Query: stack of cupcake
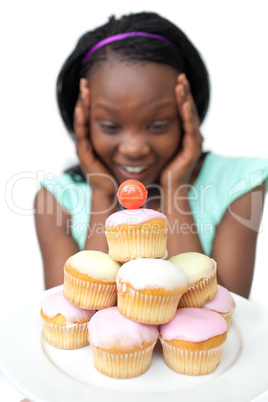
155, 297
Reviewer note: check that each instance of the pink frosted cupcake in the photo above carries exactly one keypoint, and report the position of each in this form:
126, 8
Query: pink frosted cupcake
193, 341
136, 233
223, 303
149, 290
121, 348
65, 326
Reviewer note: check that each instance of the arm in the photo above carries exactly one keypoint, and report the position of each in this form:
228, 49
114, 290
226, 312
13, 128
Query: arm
234, 246
103, 185
55, 242
55, 239
180, 174
54, 236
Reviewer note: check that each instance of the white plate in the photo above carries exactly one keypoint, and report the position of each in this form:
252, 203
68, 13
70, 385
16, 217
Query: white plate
44, 373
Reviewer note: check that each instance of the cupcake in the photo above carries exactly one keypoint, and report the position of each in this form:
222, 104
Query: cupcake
193, 341
89, 280
136, 233
149, 290
121, 348
65, 326
223, 303
201, 275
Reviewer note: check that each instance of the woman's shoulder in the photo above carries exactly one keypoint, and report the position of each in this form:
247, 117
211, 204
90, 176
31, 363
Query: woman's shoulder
220, 168
232, 176
64, 178
68, 189
223, 159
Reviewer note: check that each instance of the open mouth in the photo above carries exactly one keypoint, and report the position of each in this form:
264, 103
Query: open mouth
133, 172
135, 169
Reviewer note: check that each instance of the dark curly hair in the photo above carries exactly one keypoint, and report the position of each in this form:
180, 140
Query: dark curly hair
184, 59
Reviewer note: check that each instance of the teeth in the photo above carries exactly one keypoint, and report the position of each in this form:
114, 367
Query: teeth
135, 169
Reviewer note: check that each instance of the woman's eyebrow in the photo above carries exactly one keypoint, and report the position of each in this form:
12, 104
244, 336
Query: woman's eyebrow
164, 104
157, 105
106, 107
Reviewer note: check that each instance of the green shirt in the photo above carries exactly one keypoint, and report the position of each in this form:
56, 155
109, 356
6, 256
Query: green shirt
220, 182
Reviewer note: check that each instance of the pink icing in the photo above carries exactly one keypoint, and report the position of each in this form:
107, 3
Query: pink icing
222, 302
57, 304
108, 329
193, 325
133, 216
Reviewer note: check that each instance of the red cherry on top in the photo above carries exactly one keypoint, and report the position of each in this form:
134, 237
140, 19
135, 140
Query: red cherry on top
132, 194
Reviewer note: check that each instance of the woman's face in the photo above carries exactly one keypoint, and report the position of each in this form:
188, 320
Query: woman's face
134, 124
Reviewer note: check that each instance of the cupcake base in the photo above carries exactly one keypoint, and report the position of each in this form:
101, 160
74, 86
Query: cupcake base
123, 365
146, 308
191, 362
88, 295
129, 244
200, 293
66, 337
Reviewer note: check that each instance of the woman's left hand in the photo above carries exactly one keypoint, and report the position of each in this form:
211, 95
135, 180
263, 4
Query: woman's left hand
179, 171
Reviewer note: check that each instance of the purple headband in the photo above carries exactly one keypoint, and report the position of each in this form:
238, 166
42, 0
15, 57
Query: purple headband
121, 36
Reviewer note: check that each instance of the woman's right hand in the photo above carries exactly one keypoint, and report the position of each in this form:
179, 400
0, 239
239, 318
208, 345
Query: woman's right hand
95, 171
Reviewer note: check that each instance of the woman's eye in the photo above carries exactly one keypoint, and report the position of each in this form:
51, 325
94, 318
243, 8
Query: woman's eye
159, 126
109, 127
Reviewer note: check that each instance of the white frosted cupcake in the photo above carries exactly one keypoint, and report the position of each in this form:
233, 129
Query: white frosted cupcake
136, 233
89, 280
201, 275
149, 290
223, 303
121, 348
65, 326
193, 341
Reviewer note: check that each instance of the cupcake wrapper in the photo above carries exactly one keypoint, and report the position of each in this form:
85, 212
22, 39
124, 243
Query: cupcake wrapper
146, 308
228, 318
191, 362
88, 295
122, 365
66, 337
127, 245
199, 294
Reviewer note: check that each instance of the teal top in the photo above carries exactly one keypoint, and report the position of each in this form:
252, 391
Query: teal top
221, 181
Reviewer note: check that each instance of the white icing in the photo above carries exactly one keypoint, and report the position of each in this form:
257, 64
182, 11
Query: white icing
143, 273
195, 265
96, 264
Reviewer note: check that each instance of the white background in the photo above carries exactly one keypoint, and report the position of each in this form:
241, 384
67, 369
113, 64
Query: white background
36, 37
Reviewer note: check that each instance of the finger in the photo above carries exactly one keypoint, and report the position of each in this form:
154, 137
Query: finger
81, 113
186, 95
180, 94
189, 123
84, 152
192, 137
81, 123
84, 94
88, 160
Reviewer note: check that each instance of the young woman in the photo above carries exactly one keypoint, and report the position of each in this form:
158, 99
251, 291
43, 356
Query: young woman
133, 94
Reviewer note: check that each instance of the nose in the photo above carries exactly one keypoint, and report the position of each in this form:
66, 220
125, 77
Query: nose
134, 145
